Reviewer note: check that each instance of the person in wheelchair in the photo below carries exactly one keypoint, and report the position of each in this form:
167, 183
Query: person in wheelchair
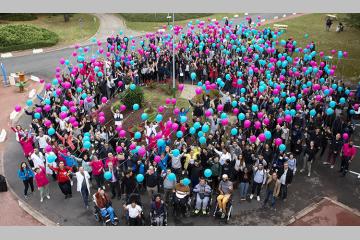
225, 189
134, 213
158, 213
181, 198
202, 192
103, 202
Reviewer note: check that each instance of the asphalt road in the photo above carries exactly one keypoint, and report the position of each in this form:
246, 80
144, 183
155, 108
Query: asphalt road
304, 190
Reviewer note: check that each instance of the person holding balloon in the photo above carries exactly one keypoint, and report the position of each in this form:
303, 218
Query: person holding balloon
111, 175
63, 178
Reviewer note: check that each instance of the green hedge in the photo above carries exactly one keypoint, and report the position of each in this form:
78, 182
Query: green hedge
20, 37
18, 16
160, 17
130, 97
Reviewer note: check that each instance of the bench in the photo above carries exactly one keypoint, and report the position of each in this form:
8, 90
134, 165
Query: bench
280, 27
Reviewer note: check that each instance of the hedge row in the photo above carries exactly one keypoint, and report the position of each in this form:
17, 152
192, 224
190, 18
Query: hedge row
18, 16
160, 17
20, 37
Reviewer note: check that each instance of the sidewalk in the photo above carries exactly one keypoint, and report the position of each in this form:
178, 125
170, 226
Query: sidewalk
10, 211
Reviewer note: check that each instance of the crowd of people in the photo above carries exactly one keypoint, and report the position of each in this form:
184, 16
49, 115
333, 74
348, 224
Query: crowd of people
265, 110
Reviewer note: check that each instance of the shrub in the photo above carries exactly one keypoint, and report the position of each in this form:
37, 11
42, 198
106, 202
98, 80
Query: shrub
20, 37
18, 16
130, 97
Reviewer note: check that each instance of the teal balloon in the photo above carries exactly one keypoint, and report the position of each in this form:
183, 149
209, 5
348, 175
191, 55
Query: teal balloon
241, 116
186, 181
227, 76
159, 118
242, 99
51, 131
282, 147
136, 107
254, 108
342, 100
176, 152
267, 135
332, 104
161, 142
312, 112
205, 128
100, 74
51, 158
207, 173
202, 140
64, 109
87, 145
234, 103
55, 81
183, 119
139, 178
223, 115
86, 139
234, 131
132, 87
193, 76
197, 125
200, 134
329, 111
47, 101
179, 134
192, 130
107, 175
171, 177
84, 95
29, 103
144, 116
276, 100
79, 89
87, 134
137, 135
37, 115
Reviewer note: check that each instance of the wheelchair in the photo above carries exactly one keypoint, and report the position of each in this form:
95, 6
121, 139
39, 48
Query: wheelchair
99, 217
217, 213
181, 206
128, 200
208, 207
160, 220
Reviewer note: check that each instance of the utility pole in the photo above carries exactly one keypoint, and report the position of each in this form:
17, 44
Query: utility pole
173, 17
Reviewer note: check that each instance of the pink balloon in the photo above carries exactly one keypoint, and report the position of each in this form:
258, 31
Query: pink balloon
75, 124
280, 121
42, 80
63, 115
225, 121
101, 114
208, 113
62, 61
260, 115
220, 108
236, 111
47, 108
288, 118
101, 119
345, 136
247, 123
47, 123
161, 109
278, 141
257, 124
176, 111
157, 159
122, 108
141, 151
298, 107
252, 138
104, 100
266, 121
173, 101
169, 124
175, 126
168, 101
120, 83
181, 87
132, 146
198, 91
122, 133
262, 137
48, 148
73, 109
17, 108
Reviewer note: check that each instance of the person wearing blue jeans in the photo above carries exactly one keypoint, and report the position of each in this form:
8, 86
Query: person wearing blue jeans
104, 204
272, 189
245, 176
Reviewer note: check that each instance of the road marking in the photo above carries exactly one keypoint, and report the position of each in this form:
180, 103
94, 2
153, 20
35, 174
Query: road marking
276, 17
294, 13
356, 173
2, 136
6, 55
34, 78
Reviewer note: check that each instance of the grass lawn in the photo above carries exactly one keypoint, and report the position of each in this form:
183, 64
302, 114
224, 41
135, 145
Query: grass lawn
148, 23
314, 25
69, 32
158, 97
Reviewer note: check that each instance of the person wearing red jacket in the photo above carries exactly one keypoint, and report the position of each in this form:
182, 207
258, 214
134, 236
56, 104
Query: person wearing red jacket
348, 154
42, 182
63, 178
97, 170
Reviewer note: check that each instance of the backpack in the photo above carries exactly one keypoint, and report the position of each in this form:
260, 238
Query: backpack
3, 185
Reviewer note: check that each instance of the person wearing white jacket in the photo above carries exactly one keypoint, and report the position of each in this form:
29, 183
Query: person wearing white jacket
83, 185
223, 155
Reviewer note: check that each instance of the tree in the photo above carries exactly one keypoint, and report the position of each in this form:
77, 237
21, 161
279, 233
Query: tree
352, 20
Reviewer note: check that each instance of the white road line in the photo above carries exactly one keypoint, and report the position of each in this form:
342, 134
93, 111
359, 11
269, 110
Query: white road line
294, 13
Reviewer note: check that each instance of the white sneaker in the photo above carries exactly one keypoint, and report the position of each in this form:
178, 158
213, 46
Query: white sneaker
251, 196
197, 211
48, 196
332, 166
258, 198
358, 176
302, 170
41, 199
308, 174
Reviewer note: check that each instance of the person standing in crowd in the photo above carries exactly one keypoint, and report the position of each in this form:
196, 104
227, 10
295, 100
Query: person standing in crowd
114, 181
42, 182
83, 185
285, 175
309, 157
348, 154
97, 171
169, 186
26, 175
245, 180
259, 180
272, 189
152, 182
63, 178
336, 145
